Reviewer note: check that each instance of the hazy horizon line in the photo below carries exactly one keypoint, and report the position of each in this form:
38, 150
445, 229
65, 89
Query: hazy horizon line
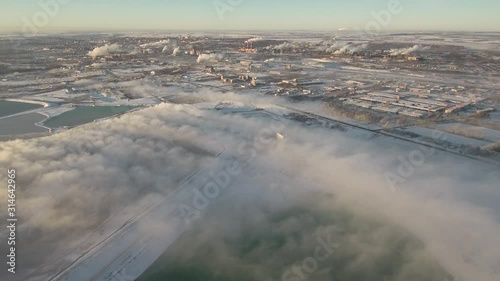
18, 30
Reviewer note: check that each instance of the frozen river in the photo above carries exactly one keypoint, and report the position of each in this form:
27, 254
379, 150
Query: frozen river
85, 114
9, 107
24, 124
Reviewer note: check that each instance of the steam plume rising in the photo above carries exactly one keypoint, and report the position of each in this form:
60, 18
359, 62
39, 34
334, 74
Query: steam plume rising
407, 51
209, 58
255, 39
350, 49
104, 50
176, 51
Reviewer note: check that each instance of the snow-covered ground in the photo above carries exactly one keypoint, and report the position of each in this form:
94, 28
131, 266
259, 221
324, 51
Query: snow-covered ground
44, 104
447, 137
479, 132
54, 111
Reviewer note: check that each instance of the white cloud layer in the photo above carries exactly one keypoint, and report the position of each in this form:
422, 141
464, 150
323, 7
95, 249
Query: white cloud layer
314, 182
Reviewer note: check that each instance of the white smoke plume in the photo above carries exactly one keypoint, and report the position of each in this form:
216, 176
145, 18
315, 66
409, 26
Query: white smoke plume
325, 45
407, 51
166, 46
336, 45
284, 46
255, 39
209, 58
157, 44
104, 50
350, 49
176, 51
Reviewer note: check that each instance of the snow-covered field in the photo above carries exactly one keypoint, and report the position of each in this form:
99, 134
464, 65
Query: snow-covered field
478, 132
447, 137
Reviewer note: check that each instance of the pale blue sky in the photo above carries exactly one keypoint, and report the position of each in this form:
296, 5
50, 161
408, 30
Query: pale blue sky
467, 15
